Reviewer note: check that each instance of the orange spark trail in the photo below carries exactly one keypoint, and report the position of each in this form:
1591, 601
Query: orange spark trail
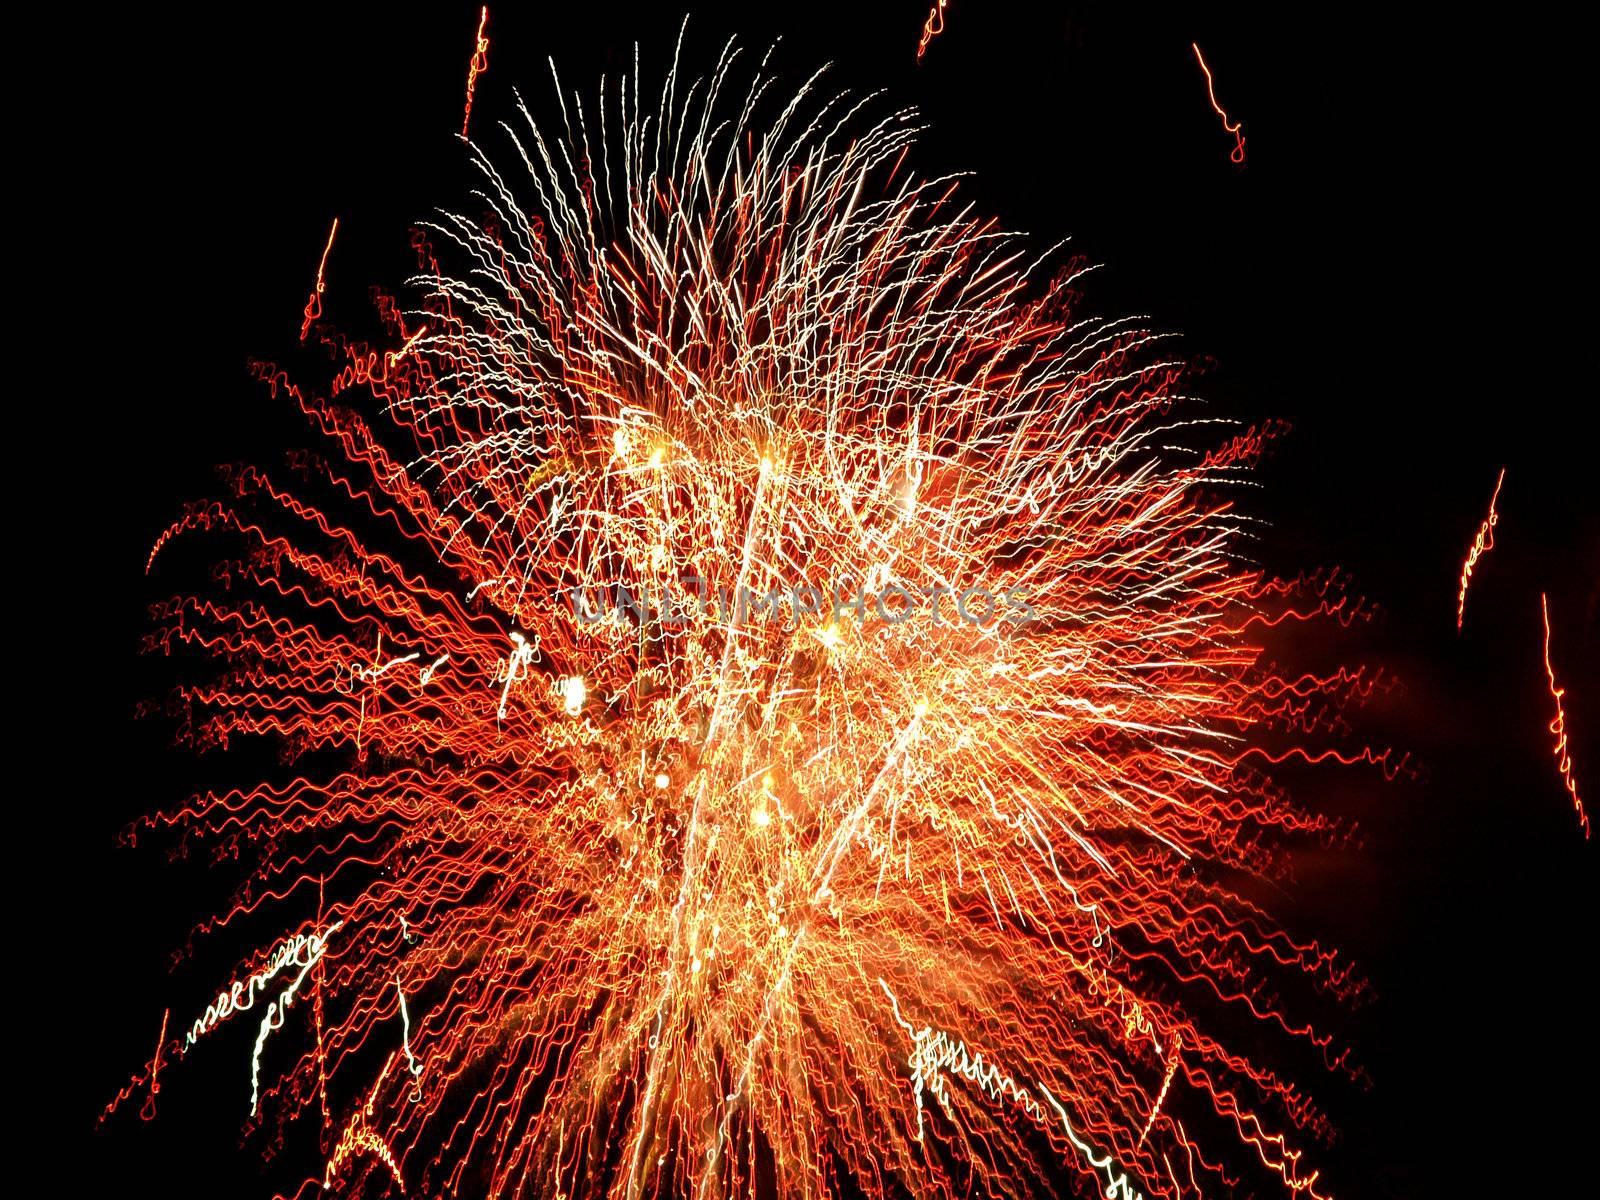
1166, 1086
148, 1112
313, 308
1558, 726
1481, 545
1232, 127
394, 356
478, 65
931, 28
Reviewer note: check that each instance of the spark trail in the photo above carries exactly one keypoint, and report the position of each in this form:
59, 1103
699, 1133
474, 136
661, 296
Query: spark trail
1233, 127
1558, 725
478, 65
932, 27
1481, 545
313, 309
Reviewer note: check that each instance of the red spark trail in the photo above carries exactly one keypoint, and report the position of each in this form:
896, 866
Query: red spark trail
1558, 725
148, 1112
931, 28
1232, 127
1481, 545
478, 65
313, 308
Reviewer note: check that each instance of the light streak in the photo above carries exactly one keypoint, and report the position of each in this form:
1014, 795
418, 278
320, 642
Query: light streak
393, 357
359, 1136
1481, 545
405, 1018
932, 27
148, 1112
478, 65
289, 953
1233, 127
1166, 1086
1558, 725
313, 308
276, 1010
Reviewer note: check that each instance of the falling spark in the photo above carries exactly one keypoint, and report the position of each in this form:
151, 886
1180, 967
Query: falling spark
1558, 726
148, 1112
405, 1019
478, 65
709, 905
394, 356
313, 308
1232, 127
931, 28
1166, 1086
1481, 545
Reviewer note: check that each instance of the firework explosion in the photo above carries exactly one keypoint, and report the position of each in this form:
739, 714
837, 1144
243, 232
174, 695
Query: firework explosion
886, 892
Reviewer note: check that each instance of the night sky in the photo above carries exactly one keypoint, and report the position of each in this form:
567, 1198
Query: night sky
1398, 270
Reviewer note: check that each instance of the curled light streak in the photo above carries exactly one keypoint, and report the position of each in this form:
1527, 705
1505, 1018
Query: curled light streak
663, 887
478, 65
1233, 127
1166, 1086
405, 1018
936, 1058
291, 952
1558, 725
1481, 545
359, 1137
1117, 1186
932, 27
276, 1010
148, 1112
313, 309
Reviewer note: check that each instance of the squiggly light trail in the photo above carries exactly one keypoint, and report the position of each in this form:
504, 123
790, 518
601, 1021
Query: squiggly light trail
640, 903
1558, 724
932, 27
1233, 127
478, 65
313, 309
1481, 545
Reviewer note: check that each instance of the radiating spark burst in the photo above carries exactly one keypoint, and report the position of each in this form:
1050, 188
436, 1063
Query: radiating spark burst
1233, 127
1481, 545
665, 908
1558, 725
478, 65
931, 28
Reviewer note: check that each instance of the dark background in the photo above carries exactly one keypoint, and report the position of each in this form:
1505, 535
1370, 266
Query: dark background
1398, 269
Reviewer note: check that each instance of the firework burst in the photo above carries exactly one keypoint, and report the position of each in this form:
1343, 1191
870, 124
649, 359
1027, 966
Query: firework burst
893, 890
